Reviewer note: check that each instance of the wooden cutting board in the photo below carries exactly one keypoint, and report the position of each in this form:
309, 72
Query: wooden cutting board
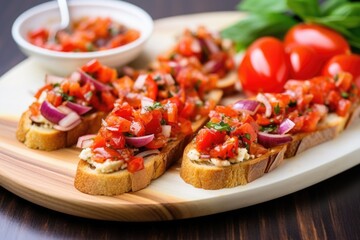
46, 178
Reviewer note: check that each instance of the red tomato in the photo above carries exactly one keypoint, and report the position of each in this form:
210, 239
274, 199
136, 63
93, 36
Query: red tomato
304, 61
324, 41
135, 164
158, 142
265, 67
207, 138
344, 63
226, 150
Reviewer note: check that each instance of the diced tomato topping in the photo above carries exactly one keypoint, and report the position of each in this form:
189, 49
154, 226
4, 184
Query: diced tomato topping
135, 164
228, 149
103, 153
158, 142
44, 88
206, 139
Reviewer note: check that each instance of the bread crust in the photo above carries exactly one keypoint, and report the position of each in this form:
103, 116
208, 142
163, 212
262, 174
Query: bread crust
212, 177
208, 176
48, 139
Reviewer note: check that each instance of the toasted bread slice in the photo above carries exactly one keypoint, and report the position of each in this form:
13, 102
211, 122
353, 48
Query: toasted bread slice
39, 137
208, 176
90, 181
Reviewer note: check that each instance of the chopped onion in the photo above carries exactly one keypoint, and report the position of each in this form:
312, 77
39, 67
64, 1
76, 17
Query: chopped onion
139, 141
69, 119
262, 98
211, 45
195, 46
67, 128
64, 109
213, 66
169, 79
51, 79
97, 84
166, 130
85, 141
286, 126
204, 156
246, 105
147, 153
140, 81
75, 76
271, 140
79, 109
51, 113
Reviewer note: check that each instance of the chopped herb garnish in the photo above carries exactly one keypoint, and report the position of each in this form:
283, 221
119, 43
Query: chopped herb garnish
66, 97
268, 128
277, 109
56, 85
156, 105
163, 121
344, 95
221, 126
247, 136
157, 78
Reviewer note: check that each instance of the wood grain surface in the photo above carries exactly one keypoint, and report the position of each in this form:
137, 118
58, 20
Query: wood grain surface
327, 210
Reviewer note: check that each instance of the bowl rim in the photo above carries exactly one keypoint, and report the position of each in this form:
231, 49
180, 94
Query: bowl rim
43, 7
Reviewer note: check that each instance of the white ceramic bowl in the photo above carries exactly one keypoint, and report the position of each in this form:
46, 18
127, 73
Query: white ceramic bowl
47, 15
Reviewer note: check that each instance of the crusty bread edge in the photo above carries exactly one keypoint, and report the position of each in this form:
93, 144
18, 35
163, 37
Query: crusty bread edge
38, 137
211, 177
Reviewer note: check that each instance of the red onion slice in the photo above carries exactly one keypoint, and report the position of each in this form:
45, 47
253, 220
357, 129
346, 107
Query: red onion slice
51, 113
263, 99
69, 119
147, 153
85, 141
286, 126
97, 84
246, 105
67, 128
79, 109
271, 140
139, 141
140, 81
211, 45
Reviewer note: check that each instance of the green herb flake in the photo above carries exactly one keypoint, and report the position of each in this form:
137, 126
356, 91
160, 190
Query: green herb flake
344, 95
156, 105
221, 126
277, 109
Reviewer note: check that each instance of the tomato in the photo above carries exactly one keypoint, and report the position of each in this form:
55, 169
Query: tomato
304, 61
103, 153
207, 138
158, 142
226, 150
46, 87
344, 63
311, 120
91, 66
135, 164
324, 41
246, 132
154, 125
265, 67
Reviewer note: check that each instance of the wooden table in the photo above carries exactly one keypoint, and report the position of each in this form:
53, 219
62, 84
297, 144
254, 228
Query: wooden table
328, 210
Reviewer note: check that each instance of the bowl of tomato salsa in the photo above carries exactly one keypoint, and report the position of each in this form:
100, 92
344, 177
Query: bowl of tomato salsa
113, 32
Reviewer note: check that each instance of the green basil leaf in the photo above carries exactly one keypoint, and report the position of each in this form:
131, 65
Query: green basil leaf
258, 25
330, 5
221, 126
304, 8
261, 6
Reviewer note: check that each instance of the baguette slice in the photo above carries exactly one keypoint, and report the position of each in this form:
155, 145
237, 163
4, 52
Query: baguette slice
207, 176
88, 180
38, 137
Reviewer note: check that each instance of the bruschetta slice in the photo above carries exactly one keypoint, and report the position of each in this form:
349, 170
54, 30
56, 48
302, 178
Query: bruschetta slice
67, 108
280, 125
